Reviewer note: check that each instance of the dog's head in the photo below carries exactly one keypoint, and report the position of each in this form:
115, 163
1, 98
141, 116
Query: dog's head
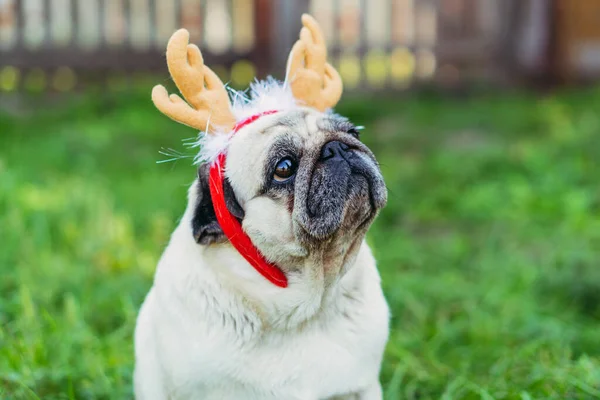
300, 181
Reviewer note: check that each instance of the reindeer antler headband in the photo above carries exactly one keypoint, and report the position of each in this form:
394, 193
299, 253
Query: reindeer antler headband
313, 81
207, 100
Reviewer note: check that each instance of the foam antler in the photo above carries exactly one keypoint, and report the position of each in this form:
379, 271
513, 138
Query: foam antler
313, 80
207, 106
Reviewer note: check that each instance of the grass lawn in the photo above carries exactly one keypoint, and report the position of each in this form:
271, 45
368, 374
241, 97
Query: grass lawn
489, 248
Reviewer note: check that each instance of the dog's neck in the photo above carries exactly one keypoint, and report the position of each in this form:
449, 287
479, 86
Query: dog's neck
309, 296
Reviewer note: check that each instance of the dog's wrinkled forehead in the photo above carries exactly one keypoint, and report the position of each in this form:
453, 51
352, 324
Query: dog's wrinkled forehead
250, 150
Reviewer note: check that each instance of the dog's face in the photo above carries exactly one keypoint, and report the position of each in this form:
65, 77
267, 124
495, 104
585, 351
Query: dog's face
304, 187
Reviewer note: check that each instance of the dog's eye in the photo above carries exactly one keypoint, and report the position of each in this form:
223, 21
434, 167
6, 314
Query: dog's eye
354, 132
285, 169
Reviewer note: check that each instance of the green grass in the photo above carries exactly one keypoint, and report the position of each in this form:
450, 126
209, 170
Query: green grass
489, 248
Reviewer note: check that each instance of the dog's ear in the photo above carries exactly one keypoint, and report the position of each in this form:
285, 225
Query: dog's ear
205, 227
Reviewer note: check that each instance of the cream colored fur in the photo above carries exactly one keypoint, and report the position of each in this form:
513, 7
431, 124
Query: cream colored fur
212, 327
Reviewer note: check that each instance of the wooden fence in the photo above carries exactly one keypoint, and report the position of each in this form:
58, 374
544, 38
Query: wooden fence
375, 44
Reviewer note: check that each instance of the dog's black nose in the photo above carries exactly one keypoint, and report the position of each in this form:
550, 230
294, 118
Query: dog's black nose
333, 150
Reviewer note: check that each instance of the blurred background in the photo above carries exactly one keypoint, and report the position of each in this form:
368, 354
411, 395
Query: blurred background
58, 45
484, 115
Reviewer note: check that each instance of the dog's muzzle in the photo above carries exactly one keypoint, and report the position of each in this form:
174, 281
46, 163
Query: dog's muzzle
346, 190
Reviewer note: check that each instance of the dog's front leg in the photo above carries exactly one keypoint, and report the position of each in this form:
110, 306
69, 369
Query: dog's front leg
148, 387
148, 379
373, 392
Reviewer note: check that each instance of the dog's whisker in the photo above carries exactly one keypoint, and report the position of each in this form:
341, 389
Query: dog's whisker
167, 160
173, 155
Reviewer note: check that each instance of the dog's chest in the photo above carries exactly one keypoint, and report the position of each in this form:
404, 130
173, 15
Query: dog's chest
330, 357
338, 359
318, 362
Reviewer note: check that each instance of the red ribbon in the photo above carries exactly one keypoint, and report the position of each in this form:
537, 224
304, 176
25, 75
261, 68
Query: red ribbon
231, 226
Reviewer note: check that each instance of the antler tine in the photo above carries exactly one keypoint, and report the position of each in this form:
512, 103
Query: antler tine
199, 85
313, 81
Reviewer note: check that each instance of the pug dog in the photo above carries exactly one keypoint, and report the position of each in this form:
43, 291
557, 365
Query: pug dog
267, 288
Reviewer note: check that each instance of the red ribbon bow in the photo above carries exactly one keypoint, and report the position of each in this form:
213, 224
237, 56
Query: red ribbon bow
231, 226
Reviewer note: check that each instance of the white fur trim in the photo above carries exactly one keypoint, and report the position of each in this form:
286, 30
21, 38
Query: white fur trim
266, 95
262, 96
